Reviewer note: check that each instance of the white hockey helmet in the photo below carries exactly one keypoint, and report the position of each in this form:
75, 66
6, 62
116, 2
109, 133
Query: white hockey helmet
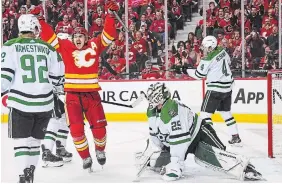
29, 23
209, 43
157, 94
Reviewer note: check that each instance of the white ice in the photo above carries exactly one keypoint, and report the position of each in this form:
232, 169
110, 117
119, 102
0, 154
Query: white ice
124, 139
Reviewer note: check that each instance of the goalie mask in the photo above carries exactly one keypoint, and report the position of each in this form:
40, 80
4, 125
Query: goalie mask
157, 94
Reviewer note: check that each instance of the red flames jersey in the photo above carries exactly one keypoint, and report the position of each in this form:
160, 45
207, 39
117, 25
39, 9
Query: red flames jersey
152, 73
81, 66
140, 45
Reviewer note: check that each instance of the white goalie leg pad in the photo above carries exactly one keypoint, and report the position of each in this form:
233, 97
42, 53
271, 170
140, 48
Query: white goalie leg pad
220, 160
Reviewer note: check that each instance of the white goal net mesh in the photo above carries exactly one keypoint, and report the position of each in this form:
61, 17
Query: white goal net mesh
277, 113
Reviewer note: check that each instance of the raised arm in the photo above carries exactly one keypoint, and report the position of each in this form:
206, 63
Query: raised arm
109, 32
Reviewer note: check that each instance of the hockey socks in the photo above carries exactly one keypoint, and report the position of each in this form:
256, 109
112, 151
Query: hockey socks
62, 136
63, 131
51, 134
230, 122
100, 138
81, 146
27, 151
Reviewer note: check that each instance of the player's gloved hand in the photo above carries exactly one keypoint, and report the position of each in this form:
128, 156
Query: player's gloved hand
182, 69
112, 5
37, 12
173, 170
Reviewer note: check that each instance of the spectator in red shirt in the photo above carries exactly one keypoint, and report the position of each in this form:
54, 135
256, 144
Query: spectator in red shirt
225, 5
266, 29
150, 72
150, 14
212, 10
158, 26
220, 16
235, 41
140, 44
65, 22
271, 17
132, 15
99, 14
96, 28
225, 24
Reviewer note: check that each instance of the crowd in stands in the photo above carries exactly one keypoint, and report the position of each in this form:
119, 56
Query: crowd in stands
223, 20
147, 32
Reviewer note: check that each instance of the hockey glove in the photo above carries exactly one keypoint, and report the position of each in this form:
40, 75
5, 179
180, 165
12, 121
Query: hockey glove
37, 12
112, 5
173, 171
181, 69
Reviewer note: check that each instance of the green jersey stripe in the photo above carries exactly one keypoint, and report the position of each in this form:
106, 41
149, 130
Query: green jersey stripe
30, 103
180, 142
179, 135
199, 74
217, 86
50, 138
52, 133
62, 136
231, 123
219, 82
27, 153
6, 77
31, 96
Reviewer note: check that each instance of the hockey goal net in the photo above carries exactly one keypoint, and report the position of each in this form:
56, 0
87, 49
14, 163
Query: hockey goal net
274, 94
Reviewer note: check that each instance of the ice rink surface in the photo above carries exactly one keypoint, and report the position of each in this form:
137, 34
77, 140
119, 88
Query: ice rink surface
124, 139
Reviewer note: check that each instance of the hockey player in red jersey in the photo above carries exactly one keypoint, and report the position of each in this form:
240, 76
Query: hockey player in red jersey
81, 83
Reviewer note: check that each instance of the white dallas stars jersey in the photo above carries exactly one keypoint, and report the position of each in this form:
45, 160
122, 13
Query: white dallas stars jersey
215, 67
175, 126
28, 69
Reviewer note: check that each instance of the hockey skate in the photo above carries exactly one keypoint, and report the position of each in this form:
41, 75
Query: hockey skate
235, 141
87, 164
62, 152
251, 174
101, 157
28, 175
22, 179
49, 159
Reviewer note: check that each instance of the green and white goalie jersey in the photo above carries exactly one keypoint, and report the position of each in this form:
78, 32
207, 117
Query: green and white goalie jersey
28, 69
215, 67
175, 126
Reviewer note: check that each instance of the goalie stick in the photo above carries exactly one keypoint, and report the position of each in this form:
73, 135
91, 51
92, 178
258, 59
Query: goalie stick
145, 163
134, 104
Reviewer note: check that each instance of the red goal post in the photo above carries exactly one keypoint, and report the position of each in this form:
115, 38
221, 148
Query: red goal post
274, 112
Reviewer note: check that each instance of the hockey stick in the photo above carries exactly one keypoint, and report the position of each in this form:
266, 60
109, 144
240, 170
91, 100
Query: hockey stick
123, 25
120, 21
140, 73
145, 163
134, 104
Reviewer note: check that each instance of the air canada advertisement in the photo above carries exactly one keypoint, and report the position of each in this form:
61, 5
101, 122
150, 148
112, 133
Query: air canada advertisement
248, 96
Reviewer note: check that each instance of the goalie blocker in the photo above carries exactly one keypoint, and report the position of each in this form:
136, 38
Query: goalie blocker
176, 129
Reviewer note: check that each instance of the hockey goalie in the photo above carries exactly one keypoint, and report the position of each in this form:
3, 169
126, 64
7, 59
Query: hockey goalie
177, 131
